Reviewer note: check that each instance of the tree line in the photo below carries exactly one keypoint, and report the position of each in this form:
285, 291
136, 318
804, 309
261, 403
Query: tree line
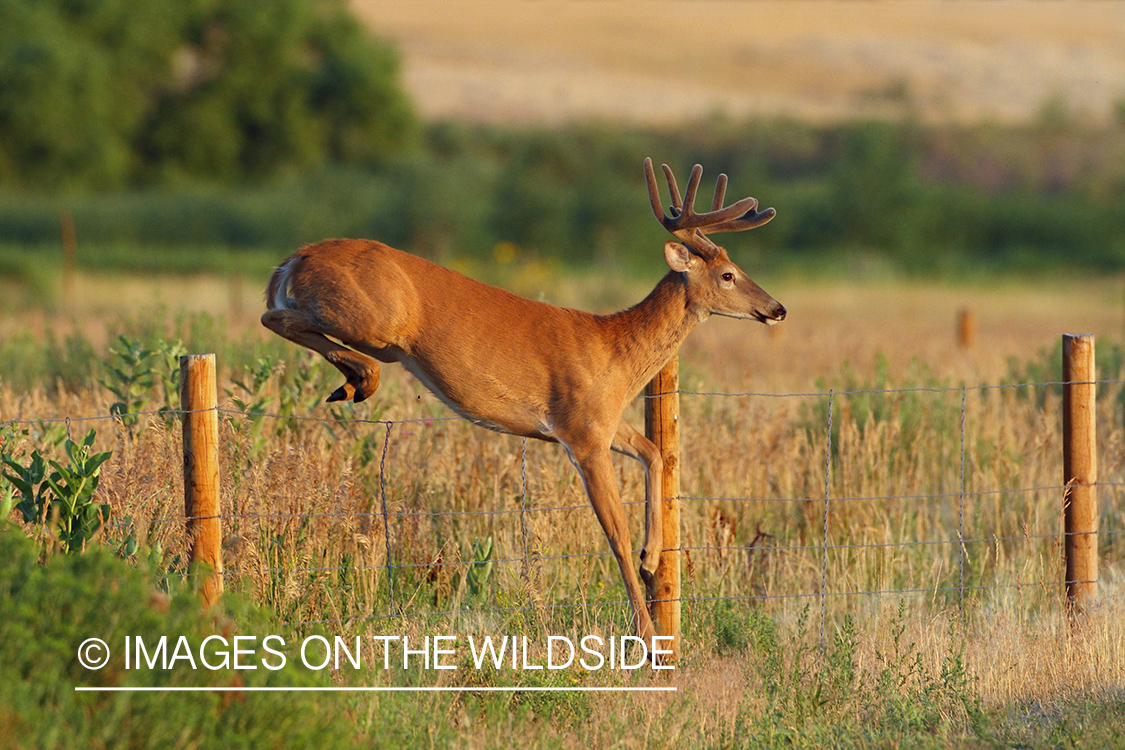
924, 198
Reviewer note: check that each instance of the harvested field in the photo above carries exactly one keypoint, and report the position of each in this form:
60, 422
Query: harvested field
515, 61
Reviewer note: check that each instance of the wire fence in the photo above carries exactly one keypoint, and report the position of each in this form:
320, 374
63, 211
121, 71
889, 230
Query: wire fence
793, 543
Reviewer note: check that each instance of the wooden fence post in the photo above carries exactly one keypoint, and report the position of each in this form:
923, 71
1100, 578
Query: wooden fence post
662, 426
1080, 472
966, 328
199, 403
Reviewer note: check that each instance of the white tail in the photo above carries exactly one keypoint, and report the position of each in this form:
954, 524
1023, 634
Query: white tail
525, 367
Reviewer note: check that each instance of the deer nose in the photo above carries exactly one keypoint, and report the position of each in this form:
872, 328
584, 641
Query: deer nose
779, 313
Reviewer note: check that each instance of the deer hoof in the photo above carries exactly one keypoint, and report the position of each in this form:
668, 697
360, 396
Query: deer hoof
365, 385
648, 576
649, 565
341, 393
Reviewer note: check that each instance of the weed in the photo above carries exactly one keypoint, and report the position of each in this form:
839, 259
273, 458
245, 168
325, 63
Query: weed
134, 369
480, 570
64, 496
249, 397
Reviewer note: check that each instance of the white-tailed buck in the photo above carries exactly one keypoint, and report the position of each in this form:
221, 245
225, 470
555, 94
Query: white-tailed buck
524, 367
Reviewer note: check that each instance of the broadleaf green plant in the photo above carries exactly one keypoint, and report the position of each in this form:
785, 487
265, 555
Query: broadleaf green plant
65, 495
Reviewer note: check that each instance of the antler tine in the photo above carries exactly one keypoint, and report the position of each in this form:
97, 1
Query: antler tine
674, 190
653, 191
712, 218
670, 218
751, 219
720, 192
692, 189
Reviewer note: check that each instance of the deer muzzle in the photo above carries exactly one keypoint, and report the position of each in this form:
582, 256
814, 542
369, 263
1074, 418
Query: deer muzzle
772, 315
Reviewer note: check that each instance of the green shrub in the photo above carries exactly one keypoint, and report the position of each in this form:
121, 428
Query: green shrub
120, 92
919, 404
48, 610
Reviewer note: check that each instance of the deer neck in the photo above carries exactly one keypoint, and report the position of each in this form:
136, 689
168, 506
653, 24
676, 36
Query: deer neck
649, 333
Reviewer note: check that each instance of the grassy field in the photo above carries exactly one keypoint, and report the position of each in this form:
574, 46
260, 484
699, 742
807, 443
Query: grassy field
832, 319
307, 542
664, 62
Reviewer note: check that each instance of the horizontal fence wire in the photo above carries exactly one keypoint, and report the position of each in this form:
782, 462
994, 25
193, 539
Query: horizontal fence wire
1060, 488
910, 389
436, 563
387, 515
641, 397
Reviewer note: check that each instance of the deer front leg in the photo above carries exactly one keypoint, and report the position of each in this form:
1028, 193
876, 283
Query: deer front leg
632, 443
596, 469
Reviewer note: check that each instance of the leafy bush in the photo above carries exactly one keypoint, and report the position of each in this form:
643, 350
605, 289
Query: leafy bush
918, 405
1047, 368
134, 369
28, 359
126, 91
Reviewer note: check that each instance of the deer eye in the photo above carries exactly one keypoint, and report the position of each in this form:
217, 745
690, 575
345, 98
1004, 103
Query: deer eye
728, 277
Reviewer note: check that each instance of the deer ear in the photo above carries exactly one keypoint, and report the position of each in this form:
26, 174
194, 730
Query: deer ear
678, 257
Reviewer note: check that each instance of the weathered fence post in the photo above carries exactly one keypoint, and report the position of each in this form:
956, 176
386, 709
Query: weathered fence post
1080, 472
199, 404
662, 426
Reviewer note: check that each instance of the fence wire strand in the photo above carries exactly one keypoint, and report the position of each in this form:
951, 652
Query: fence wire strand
1060, 488
682, 392
812, 549
1018, 585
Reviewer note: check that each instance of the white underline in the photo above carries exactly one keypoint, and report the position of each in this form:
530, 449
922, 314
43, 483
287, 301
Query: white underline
376, 689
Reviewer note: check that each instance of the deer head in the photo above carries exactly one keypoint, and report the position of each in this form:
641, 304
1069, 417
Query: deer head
715, 284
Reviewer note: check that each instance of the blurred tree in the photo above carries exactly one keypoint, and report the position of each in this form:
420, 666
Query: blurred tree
874, 187
97, 93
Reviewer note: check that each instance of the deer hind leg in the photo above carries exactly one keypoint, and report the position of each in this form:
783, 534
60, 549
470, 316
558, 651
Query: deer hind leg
596, 470
632, 443
361, 373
